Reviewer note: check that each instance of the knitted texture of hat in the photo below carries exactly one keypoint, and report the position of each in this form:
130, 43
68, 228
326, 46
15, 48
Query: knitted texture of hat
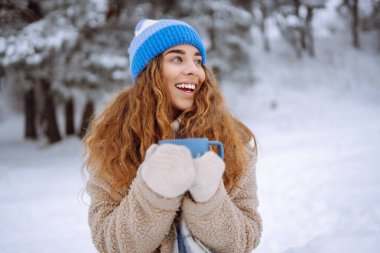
152, 37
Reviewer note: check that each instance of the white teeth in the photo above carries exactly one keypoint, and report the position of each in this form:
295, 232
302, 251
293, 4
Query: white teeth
186, 85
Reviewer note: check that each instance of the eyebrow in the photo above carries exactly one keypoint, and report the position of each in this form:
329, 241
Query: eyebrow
179, 51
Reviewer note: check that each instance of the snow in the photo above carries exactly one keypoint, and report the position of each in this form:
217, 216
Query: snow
110, 61
317, 122
41, 208
36, 41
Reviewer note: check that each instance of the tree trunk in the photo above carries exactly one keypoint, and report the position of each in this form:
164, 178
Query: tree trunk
50, 118
355, 23
302, 37
69, 115
86, 118
30, 114
167, 6
115, 8
263, 28
309, 32
212, 31
297, 5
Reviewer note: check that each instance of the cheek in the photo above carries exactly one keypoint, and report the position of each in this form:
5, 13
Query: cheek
165, 74
202, 76
168, 71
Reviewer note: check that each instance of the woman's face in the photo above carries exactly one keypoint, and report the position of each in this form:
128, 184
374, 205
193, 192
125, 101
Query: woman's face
183, 75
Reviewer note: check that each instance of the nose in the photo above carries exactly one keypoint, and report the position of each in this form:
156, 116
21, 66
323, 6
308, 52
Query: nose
190, 68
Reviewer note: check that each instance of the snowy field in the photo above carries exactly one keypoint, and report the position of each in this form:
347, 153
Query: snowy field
317, 122
318, 127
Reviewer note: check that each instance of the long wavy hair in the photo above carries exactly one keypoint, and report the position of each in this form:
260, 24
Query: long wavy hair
142, 115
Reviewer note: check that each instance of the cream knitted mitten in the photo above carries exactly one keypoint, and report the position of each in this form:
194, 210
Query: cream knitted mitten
209, 170
168, 169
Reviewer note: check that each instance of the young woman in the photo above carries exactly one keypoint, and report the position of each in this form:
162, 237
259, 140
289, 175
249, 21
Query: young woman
156, 198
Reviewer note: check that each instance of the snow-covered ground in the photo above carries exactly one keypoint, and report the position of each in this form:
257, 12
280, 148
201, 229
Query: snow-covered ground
40, 192
317, 122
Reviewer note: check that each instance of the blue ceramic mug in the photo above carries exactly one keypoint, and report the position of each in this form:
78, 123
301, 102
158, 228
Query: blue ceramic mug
197, 146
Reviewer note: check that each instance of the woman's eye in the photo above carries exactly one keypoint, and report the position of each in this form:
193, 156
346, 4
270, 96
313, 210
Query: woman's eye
177, 59
198, 61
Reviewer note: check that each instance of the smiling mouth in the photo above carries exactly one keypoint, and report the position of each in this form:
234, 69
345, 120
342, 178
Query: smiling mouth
186, 87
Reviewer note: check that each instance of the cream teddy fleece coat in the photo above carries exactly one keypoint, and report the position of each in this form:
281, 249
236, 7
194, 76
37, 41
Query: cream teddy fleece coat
143, 221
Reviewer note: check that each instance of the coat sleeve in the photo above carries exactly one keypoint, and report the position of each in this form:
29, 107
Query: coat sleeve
227, 223
137, 222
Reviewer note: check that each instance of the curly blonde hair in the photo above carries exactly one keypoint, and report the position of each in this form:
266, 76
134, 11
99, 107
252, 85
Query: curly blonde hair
142, 115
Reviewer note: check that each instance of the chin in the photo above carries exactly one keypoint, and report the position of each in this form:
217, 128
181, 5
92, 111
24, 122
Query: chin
187, 108
183, 106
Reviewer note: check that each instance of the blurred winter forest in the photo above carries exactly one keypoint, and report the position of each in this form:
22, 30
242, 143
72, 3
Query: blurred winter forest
59, 58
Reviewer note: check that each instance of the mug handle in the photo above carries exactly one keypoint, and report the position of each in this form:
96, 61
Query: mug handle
220, 147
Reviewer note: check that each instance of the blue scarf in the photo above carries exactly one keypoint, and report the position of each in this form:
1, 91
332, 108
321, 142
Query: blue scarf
185, 242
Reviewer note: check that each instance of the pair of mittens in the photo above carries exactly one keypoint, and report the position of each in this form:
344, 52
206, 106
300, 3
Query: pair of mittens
170, 171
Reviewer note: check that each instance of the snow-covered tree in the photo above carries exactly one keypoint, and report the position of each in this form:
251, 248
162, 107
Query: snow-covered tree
362, 15
37, 50
262, 11
30, 50
294, 19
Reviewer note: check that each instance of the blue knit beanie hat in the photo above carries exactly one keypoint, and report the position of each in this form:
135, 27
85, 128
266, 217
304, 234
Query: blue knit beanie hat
153, 37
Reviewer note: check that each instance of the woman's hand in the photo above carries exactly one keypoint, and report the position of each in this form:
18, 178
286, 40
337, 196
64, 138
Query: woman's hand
168, 169
209, 170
